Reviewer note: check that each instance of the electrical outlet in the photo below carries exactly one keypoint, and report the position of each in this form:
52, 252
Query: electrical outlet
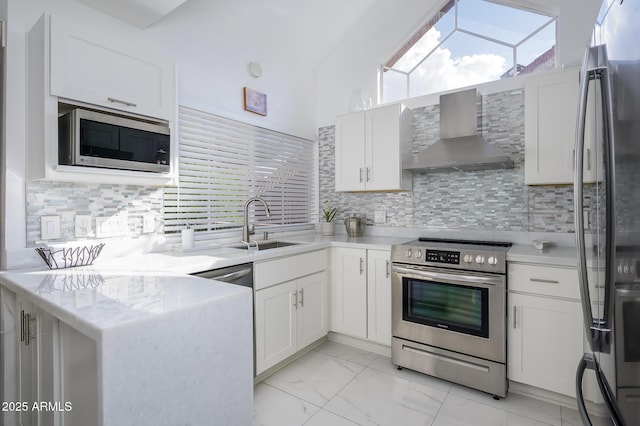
82, 225
49, 227
112, 226
148, 224
380, 216
103, 227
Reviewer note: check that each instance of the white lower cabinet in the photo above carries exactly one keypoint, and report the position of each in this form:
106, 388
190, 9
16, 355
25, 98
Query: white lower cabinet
275, 320
545, 342
349, 292
291, 314
545, 331
52, 376
379, 296
38, 354
361, 294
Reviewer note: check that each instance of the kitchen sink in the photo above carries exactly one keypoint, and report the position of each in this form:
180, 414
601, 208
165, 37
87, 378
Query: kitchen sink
266, 245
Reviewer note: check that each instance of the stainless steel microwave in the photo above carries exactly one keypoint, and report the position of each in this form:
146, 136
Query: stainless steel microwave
95, 139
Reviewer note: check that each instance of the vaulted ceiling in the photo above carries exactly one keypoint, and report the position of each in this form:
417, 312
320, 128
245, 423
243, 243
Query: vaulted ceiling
305, 30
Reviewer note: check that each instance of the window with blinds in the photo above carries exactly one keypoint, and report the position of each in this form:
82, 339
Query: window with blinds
223, 163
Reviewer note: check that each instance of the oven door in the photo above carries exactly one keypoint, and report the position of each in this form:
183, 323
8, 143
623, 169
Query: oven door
459, 311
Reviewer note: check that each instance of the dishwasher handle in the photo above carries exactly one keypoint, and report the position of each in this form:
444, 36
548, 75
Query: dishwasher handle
224, 277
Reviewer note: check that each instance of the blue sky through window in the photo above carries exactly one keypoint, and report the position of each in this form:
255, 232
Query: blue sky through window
457, 59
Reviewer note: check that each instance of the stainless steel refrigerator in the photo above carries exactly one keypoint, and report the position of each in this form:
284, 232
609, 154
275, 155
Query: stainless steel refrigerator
608, 241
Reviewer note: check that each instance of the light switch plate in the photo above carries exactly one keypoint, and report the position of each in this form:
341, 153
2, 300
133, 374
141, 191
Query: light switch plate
148, 224
380, 216
82, 225
49, 227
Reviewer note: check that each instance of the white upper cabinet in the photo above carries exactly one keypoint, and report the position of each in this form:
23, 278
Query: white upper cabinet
550, 118
369, 149
110, 71
94, 69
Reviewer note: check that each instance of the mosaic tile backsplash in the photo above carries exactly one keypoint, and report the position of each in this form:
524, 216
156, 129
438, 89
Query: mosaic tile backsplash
67, 200
480, 200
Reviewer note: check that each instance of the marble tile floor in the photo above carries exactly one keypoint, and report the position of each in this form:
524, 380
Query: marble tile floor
338, 385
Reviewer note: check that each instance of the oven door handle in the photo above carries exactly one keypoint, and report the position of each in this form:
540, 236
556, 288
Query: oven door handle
445, 277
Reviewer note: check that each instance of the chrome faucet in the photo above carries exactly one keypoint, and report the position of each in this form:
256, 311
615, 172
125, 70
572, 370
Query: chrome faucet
246, 232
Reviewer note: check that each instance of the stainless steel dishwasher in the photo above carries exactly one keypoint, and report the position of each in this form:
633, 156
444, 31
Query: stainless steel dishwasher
238, 274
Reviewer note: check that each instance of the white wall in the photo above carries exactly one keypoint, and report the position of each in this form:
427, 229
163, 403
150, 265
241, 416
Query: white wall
209, 78
353, 66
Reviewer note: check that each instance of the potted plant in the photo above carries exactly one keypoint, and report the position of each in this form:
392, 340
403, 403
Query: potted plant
328, 227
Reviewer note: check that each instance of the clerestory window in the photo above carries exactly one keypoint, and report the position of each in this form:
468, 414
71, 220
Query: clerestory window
469, 42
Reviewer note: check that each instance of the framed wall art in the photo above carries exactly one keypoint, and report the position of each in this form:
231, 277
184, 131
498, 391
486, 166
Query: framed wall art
255, 101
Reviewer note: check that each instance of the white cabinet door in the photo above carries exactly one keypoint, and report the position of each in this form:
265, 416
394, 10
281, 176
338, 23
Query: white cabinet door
312, 313
383, 150
275, 322
27, 331
350, 152
379, 296
38, 360
349, 292
545, 341
551, 104
369, 149
109, 71
9, 344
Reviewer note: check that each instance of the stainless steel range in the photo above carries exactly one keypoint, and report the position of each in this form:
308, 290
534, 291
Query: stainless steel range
449, 311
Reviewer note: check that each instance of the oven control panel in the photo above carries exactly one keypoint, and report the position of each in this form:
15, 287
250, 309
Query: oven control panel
441, 256
457, 256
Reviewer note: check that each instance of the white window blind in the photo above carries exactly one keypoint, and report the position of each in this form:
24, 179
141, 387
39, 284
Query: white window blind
223, 162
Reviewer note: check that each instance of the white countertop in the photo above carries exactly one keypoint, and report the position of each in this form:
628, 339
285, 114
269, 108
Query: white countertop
552, 256
131, 288
94, 300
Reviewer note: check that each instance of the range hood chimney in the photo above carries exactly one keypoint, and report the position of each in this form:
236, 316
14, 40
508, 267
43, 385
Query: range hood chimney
459, 147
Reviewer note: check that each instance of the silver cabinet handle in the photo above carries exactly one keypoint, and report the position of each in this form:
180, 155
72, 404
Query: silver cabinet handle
388, 268
515, 317
25, 327
22, 327
361, 179
368, 174
295, 299
542, 280
120, 101
361, 266
588, 158
302, 298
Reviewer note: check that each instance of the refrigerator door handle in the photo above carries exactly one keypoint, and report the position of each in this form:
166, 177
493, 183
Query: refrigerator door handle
595, 67
589, 362
586, 75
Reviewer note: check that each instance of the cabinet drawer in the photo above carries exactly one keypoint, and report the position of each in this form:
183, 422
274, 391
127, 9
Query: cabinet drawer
545, 280
284, 269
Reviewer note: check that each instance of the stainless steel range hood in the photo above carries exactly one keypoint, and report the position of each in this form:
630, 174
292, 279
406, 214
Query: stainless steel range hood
459, 147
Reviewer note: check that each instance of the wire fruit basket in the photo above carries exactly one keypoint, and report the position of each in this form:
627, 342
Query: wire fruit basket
69, 257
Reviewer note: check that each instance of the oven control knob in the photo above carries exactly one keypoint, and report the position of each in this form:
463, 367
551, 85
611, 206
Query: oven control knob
467, 258
418, 254
492, 260
409, 253
480, 259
